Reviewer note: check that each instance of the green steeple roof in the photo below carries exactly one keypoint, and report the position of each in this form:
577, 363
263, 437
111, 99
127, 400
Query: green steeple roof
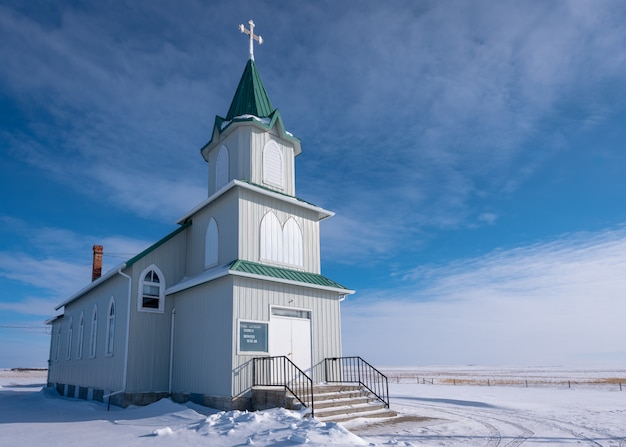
250, 97
250, 104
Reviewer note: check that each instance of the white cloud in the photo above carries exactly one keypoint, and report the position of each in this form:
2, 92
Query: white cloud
554, 303
48, 274
52, 261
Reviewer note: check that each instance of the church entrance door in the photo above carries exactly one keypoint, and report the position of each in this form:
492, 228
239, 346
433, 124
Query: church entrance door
290, 335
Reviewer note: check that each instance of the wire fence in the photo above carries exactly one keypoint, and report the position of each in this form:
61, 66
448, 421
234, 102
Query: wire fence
609, 383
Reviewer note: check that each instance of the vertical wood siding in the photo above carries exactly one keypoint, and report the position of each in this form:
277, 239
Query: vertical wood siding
259, 138
202, 351
253, 300
104, 372
224, 210
253, 207
245, 143
149, 345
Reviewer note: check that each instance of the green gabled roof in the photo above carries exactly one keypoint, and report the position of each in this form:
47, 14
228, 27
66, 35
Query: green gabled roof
255, 268
250, 97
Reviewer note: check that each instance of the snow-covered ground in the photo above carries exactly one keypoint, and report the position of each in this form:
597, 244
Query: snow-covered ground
430, 415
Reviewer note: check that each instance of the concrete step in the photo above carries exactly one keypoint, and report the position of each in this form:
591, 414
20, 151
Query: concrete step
384, 413
342, 401
349, 411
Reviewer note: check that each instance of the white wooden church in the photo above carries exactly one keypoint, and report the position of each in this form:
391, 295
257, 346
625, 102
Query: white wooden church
239, 279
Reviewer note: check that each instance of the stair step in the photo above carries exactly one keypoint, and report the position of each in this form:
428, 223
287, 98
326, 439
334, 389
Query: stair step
340, 395
342, 402
384, 413
348, 409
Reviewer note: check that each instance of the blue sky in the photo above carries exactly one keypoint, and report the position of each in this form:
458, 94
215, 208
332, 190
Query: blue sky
473, 152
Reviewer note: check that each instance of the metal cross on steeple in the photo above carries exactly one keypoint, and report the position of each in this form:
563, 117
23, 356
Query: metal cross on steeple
253, 36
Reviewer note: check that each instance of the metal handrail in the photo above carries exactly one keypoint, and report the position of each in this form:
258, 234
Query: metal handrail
281, 371
357, 370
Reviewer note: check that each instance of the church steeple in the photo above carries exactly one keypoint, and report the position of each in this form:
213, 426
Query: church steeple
251, 143
250, 97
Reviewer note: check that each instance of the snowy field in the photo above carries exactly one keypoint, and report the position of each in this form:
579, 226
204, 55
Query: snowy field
564, 407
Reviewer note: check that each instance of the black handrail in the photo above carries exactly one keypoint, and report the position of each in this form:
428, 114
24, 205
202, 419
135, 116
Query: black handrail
280, 371
357, 370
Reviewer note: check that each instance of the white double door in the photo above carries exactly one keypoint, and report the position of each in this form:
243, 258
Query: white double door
291, 337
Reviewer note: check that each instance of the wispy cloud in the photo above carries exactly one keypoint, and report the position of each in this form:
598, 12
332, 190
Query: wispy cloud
554, 303
423, 108
453, 103
51, 259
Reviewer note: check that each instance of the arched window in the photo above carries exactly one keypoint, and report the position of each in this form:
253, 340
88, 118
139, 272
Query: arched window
221, 168
211, 241
94, 332
81, 336
152, 290
110, 328
272, 164
58, 345
70, 331
281, 244
271, 238
292, 243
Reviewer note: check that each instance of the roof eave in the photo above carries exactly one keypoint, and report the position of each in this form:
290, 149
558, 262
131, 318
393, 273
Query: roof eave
223, 127
322, 213
338, 290
92, 285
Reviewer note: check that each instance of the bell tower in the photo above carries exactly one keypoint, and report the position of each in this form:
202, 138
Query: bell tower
251, 144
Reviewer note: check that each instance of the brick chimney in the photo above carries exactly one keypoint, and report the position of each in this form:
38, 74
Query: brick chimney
96, 269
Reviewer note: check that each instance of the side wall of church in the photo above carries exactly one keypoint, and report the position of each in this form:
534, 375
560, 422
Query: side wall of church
202, 329
253, 207
253, 300
149, 343
77, 364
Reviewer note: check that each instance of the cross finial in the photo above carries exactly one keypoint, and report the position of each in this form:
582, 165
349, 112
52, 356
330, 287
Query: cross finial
253, 36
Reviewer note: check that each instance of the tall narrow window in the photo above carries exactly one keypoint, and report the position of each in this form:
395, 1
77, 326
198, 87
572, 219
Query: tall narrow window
221, 168
271, 238
151, 290
70, 331
110, 328
81, 336
272, 164
94, 333
58, 345
292, 243
211, 244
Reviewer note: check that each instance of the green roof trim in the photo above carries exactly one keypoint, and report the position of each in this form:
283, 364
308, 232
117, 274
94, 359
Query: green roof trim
250, 97
251, 104
255, 268
156, 245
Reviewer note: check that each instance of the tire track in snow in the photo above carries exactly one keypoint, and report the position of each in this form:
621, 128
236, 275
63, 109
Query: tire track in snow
494, 437
575, 430
488, 419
